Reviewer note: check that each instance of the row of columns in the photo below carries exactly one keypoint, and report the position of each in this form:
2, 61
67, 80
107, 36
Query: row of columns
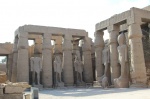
138, 75
20, 71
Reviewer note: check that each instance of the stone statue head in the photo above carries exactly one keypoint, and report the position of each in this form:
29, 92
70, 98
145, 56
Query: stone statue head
106, 43
121, 39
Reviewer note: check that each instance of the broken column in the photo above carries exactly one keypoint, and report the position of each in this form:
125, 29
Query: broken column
99, 44
115, 69
47, 77
87, 61
67, 61
22, 60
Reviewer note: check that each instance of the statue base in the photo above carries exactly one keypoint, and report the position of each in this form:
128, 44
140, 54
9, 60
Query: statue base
60, 85
80, 84
38, 86
96, 84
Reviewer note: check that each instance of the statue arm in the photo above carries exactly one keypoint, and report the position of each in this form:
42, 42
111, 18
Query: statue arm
31, 64
126, 53
41, 64
108, 56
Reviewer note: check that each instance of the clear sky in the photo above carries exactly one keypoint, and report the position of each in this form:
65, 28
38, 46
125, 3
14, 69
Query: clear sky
79, 14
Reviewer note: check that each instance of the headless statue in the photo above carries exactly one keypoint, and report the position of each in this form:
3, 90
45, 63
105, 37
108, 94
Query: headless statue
123, 80
58, 69
78, 67
36, 67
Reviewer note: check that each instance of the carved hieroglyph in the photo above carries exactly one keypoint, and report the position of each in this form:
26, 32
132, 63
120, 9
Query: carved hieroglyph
36, 67
123, 80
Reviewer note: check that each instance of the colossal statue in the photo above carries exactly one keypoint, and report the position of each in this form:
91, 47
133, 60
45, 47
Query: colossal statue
36, 67
78, 67
57, 69
105, 62
123, 80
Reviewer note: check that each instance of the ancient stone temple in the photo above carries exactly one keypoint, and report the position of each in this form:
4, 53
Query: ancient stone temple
54, 63
128, 61
68, 57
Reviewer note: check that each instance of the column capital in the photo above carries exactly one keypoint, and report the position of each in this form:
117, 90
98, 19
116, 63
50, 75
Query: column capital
47, 41
134, 31
86, 44
113, 28
99, 41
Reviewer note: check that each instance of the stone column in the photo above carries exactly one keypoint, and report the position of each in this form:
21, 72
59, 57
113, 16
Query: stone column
14, 64
99, 44
138, 74
38, 47
87, 61
10, 57
115, 68
47, 77
22, 61
67, 61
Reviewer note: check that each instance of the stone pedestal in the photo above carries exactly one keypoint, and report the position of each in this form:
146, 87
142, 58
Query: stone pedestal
138, 73
87, 61
99, 44
115, 69
22, 60
47, 61
67, 61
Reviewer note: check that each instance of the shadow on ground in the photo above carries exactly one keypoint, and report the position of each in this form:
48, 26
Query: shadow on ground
78, 92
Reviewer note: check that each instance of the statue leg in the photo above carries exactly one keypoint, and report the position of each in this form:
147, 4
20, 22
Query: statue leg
38, 78
81, 77
60, 77
33, 78
106, 70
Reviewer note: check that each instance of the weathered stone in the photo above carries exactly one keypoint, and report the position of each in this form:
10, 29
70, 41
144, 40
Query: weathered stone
1, 91
3, 77
13, 90
13, 96
35, 93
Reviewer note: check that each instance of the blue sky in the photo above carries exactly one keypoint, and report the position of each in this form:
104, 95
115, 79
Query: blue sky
79, 14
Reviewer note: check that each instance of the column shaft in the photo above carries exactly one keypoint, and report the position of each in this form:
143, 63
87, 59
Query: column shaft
47, 61
87, 61
138, 75
22, 60
67, 61
115, 68
99, 44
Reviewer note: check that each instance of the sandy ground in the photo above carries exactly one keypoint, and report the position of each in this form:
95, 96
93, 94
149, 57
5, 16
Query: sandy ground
95, 93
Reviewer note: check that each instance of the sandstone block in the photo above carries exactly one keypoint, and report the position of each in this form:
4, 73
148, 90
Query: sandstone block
13, 96
3, 77
1, 91
13, 90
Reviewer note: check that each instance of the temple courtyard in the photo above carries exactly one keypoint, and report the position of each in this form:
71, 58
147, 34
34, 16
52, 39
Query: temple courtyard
95, 93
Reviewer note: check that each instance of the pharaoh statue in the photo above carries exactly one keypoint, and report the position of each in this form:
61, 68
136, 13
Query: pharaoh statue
58, 71
36, 68
106, 61
123, 80
78, 65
